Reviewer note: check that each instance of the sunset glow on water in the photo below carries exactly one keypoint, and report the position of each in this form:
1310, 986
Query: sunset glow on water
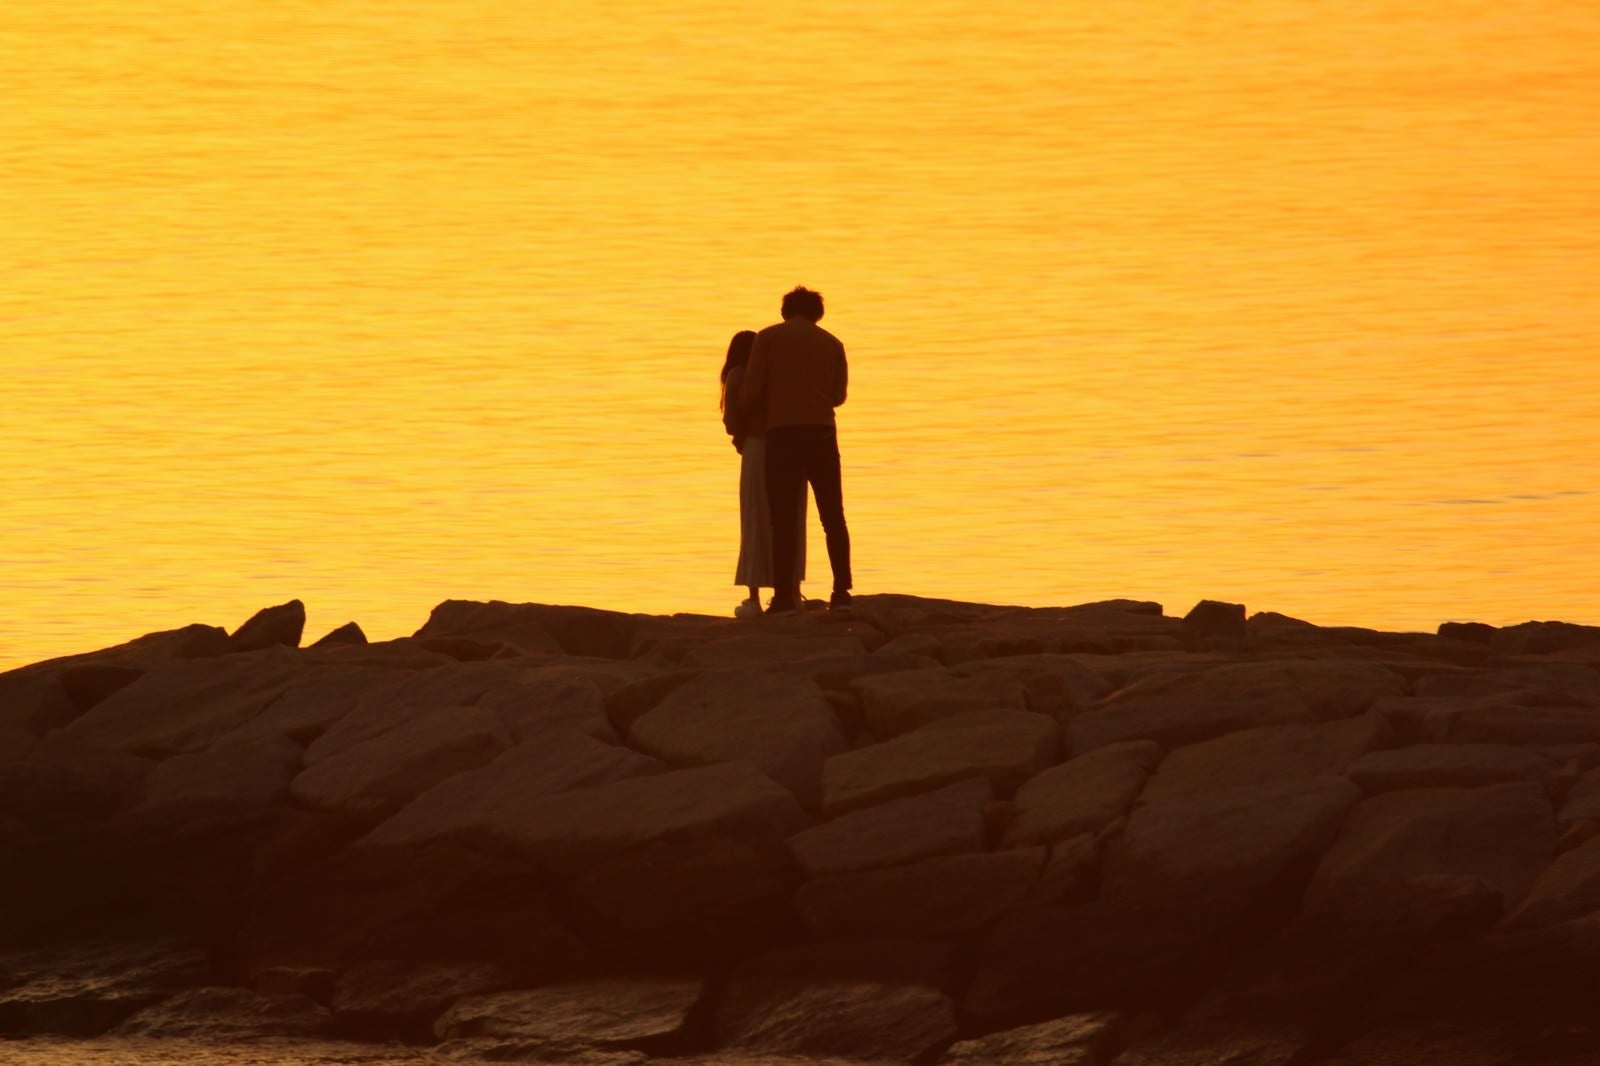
381, 304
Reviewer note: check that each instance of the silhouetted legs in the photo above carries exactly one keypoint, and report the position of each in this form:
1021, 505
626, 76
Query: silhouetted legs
797, 455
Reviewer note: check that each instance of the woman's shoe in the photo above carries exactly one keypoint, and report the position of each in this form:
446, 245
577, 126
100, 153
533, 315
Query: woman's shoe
748, 609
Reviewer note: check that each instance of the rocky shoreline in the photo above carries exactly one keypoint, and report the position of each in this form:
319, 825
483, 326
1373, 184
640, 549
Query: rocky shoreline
914, 831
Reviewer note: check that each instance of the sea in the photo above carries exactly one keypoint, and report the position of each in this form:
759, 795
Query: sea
377, 303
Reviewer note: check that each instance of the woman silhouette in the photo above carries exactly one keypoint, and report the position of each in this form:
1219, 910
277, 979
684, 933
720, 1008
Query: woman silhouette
749, 432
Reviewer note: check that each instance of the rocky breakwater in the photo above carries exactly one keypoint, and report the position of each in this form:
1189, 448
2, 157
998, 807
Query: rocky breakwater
916, 831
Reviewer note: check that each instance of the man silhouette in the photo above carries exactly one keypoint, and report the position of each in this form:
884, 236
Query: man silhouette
797, 375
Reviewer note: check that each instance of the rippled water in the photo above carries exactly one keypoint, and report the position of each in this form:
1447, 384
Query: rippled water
378, 304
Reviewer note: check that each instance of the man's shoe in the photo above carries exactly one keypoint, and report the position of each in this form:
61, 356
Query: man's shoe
840, 598
778, 606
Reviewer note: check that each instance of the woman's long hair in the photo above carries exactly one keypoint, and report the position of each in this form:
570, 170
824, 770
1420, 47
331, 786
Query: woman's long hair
738, 355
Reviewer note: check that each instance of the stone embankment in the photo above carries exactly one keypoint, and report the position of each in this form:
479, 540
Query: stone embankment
916, 831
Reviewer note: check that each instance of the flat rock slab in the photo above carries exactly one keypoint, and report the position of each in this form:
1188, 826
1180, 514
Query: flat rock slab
616, 1014
229, 1016
1006, 747
779, 723
1445, 765
184, 704
387, 770
1271, 753
1175, 709
84, 989
483, 804
878, 1003
1082, 795
944, 897
945, 821
1398, 845
569, 831
898, 702
1075, 1040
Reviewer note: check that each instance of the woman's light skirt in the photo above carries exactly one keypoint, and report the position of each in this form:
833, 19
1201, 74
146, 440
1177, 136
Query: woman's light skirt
755, 521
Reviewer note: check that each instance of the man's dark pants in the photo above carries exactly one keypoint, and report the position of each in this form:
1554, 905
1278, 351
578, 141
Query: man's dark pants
797, 455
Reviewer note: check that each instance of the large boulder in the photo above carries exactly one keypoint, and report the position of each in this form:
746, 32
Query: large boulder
645, 1014
878, 1002
528, 702
1053, 684
314, 700
231, 774
946, 896
533, 702
1545, 684
536, 627
1398, 845
573, 830
1007, 747
270, 626
380, 774
1225, 857
1185, 708
895, 703
1490, 720
187, 642
184, 704
1082, 795
781, 724
945, 821
1445, 765
477, 806
34, 702
1189, 880
57, 786
1271, 753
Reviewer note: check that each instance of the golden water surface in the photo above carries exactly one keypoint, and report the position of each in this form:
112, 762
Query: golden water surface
382, 302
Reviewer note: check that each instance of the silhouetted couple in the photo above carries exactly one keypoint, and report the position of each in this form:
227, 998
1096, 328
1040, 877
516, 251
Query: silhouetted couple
779, 389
